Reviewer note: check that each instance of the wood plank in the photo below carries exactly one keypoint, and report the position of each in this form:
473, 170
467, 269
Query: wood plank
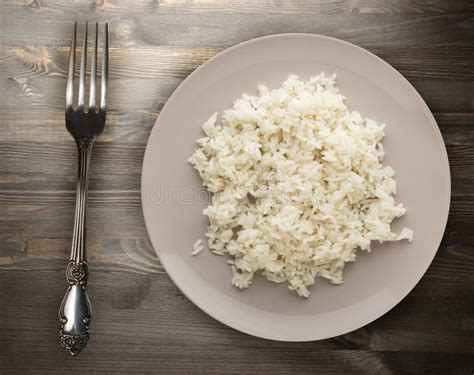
133, 126
40, 235
142, 322
144, 78
160, 62
318, 7
54, 220
456, 128
260, 7
42, 172
147, 312
408, 6
151, 95
158, 26
123, 126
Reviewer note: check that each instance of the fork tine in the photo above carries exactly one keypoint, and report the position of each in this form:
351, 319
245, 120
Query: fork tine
105, 71
70, 72
82, 74
93, 70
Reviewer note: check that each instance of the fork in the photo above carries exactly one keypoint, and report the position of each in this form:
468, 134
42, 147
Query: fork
84, 125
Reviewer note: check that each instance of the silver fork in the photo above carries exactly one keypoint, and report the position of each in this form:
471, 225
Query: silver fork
75, 310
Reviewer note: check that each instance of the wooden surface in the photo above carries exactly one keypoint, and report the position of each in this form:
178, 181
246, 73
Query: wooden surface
141, 321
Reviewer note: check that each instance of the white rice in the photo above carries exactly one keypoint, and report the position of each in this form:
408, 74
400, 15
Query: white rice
197, 247
297, 184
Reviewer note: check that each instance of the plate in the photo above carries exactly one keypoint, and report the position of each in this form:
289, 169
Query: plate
173, 197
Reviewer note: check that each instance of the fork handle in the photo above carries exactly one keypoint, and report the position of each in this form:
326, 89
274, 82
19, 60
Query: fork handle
75, 310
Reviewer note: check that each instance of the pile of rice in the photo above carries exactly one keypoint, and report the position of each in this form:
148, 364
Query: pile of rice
297, 184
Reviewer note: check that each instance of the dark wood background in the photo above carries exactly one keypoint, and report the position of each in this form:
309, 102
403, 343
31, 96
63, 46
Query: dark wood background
141, 321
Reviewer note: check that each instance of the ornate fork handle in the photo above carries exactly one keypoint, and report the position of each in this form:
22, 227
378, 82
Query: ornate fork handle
75, 310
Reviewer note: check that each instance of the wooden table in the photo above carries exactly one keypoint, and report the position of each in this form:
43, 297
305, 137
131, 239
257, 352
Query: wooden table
141, 321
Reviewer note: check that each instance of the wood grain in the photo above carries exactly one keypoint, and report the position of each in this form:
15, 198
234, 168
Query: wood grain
174, 26
142, 323
35, 76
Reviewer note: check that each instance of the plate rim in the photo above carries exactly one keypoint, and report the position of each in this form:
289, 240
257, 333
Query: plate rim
445, 167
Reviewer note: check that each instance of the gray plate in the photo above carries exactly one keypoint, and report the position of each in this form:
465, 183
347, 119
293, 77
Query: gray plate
173, 198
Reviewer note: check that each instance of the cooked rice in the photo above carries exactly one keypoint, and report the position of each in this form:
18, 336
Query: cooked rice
197, 247
297, 184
